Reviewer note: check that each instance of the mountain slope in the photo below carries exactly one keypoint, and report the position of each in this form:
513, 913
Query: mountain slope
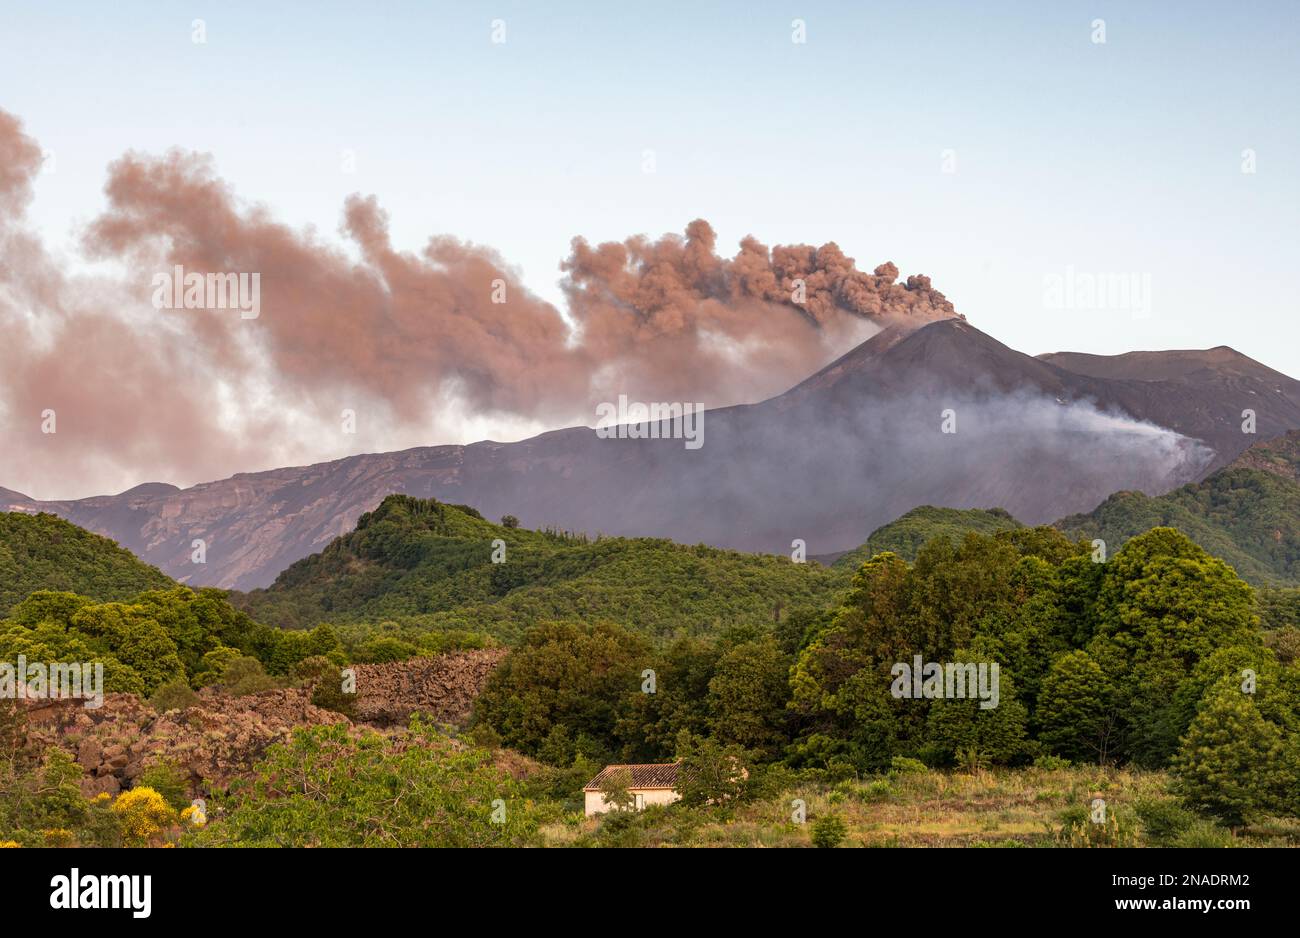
43, 552
1279, 456
429, 565
849, 449
1197, 393
1247, 514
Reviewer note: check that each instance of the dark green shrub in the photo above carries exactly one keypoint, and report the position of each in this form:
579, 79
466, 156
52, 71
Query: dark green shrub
902, 765
1163, 819
168, 780
1080, 829
828, 831
1204, 834
385, 648
245, 675
174, 695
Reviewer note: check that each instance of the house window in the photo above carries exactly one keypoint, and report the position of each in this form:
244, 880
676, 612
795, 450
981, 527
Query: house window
640, 802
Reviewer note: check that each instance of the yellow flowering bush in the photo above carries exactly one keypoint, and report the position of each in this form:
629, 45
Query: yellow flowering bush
57, 837
9, 843
143, 813
194, 816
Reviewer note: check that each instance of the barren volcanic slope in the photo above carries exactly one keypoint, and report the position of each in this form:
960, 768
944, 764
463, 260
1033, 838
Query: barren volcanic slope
851, 448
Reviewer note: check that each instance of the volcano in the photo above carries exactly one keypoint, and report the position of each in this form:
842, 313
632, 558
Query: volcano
941, 415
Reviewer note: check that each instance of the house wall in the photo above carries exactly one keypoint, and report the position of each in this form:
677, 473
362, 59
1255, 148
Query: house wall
596, 804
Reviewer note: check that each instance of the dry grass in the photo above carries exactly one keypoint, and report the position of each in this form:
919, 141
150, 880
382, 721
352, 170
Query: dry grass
1001, 807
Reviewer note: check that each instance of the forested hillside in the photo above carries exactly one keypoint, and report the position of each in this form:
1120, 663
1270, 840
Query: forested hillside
44, 552
422, 565
1147, 673
155, 638
907, 534
1247, 514
1140, 660
1247, 517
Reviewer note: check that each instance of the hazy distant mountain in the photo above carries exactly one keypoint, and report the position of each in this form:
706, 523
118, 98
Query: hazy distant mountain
853, 447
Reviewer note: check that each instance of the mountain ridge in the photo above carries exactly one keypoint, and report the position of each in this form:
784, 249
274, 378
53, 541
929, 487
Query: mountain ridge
852, 447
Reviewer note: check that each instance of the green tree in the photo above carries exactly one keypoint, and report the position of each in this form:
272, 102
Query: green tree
750, 690
614, 790
48, 606
869, 629
1231, 763
648, 723
828, 831
385, 648
290, 647
1076, 712
169, 780
558, 747
1164, 604
145, 647
324, 679
176, 694
711, 773
50, 641
962, 729
245, 675
45, 794
564, 673
213, 664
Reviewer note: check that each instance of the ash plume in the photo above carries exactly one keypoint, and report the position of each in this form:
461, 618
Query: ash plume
441, 345
730, 329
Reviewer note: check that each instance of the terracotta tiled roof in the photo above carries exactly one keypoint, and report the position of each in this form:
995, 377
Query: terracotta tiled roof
663, 775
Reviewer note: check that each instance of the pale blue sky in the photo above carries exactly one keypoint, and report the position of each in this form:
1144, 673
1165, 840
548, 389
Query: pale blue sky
1123, 157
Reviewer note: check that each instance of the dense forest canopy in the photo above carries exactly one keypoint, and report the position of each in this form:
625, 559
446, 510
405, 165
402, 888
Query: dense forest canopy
1124, 661
910, 532
44, 552
1246, 517
421, 565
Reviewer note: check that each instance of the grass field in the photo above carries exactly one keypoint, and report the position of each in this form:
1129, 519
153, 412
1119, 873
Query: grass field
1032, 807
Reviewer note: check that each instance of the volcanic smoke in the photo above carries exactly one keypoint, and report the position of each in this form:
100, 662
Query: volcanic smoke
432, 347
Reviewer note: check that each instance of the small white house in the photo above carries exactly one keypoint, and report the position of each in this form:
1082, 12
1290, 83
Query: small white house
647, 784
